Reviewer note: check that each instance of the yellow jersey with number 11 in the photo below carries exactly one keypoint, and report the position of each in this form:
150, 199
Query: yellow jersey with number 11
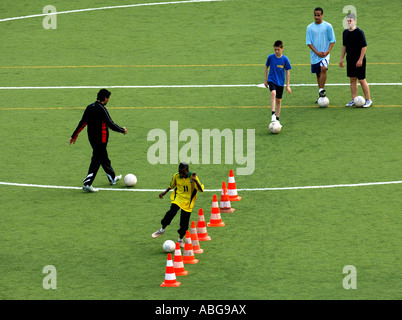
184, 191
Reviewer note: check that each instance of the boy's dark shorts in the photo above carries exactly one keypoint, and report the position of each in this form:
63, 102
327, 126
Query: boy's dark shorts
354, 72
279, 89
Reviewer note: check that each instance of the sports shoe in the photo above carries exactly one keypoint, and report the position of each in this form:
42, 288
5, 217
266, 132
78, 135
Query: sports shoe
322, 94
279, 123
89, 188
116, 178
181, 243
273, 118
350, 104
158, 233
367, 104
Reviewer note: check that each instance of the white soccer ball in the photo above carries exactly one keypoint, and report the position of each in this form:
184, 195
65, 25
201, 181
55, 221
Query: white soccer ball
169, 246
275, 127
130, 180
323, 102
359, 101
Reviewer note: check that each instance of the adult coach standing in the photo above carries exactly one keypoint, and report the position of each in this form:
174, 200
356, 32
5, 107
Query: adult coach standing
355, 45
320, 38
98, 120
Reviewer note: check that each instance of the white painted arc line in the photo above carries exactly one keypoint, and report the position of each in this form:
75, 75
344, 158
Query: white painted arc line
208, 190
106, 8
186, 86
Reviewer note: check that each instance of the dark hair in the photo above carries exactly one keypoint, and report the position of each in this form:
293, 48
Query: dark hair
183, 165
319, 9
278, 43
103, 94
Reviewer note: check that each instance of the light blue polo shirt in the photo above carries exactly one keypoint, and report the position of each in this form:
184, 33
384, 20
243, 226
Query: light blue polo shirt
320, 36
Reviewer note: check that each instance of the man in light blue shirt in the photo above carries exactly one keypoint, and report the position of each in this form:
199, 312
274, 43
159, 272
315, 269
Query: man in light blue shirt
320, 38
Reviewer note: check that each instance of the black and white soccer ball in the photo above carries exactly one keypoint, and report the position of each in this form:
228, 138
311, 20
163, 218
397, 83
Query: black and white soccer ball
130, 180
323, 102
275, 127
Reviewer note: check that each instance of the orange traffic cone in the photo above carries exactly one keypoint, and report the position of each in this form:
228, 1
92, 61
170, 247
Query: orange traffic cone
215, 220
170, 275
232, 190
194, 239
178, 262
201, 227
188, 254
225, 205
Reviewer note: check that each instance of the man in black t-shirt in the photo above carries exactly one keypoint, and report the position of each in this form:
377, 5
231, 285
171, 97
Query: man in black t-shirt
354, 46
98, 121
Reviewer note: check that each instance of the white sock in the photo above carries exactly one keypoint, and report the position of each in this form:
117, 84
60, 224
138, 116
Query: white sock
180, 240
320, 89
162, 230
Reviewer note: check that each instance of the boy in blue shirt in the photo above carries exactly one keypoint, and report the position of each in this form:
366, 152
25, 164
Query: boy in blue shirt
278, 64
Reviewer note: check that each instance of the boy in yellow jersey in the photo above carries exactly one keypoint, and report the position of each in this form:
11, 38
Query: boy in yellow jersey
186, 185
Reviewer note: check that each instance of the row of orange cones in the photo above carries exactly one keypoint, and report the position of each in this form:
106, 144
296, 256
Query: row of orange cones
191, 244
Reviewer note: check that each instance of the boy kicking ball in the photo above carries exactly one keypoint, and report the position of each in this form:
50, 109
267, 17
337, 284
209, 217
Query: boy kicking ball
186, 185
278, 64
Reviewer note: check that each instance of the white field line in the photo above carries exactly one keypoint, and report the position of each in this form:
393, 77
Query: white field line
188, 86
206, 190
106, 8
131, 87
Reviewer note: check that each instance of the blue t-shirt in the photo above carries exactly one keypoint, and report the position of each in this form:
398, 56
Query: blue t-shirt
320, 36
277, 67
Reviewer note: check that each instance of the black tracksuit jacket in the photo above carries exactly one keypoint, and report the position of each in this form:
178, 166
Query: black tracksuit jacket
98, 120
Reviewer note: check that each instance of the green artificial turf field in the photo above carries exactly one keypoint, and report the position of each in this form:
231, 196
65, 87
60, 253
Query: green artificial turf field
281, 242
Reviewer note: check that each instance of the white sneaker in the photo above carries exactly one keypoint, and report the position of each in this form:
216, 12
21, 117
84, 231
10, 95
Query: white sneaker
181, 243
367, 104
158, 233
116, 178
273, 118
89, 188
350, 104
279, 123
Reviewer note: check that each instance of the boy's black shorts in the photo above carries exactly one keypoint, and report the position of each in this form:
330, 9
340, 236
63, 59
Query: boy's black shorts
354, 72
279, 89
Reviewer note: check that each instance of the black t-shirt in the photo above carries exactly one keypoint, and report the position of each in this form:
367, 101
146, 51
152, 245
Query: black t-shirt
354, 41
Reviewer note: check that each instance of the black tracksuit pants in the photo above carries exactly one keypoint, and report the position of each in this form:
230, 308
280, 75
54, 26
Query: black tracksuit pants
184, 219
99, 158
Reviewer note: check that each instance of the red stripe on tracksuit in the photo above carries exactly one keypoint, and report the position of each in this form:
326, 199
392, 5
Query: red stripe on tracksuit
79, 130
104, 132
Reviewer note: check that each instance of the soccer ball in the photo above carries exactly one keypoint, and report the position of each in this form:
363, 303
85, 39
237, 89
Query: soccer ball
130, 180
169, 246
323, 102
359, 101
275, 127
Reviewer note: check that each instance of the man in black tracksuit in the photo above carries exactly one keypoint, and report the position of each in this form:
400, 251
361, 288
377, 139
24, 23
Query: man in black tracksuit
98, 120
